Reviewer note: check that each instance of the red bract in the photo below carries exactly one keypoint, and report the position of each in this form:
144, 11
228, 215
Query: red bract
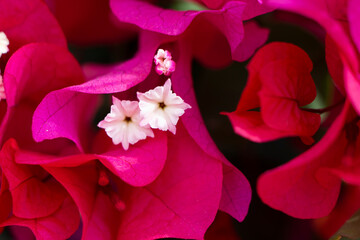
339, 19
279, 84
37, 200
308, 186
28, 21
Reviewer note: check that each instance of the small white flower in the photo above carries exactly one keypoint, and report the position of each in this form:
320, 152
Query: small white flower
4, 43
161, 108
122, 123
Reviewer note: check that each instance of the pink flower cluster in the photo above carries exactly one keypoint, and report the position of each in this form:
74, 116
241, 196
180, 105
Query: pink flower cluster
62, 177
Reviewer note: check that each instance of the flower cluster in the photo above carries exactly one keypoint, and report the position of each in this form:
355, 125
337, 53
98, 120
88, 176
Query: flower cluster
63, 178
131, 121
163, 62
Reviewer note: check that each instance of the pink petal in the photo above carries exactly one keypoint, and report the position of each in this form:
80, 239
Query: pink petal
236, 193
137, 166
253, 7
352, 86
64, 113
174, 23
183, 200
354, 18
141, 163
255, 36
28, 79
121, 77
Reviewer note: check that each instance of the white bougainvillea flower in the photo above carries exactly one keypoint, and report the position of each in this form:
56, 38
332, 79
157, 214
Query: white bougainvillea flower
4, 43
161, 108
164, 63
122, 124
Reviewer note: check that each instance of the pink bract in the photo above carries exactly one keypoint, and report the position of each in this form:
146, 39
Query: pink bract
197, 24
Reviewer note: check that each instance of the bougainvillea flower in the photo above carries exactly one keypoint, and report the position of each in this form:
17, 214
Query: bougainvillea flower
142, 163
37, 200
279, 84
4, 43
160, 108
308, 186
89, 22
223, 26
122, 124
164, 63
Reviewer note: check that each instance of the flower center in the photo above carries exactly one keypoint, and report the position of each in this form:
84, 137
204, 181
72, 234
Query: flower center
162, 105
127, 119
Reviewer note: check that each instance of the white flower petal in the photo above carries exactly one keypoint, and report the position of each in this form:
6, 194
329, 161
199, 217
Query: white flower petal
122, 124
157, 116
4, 43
